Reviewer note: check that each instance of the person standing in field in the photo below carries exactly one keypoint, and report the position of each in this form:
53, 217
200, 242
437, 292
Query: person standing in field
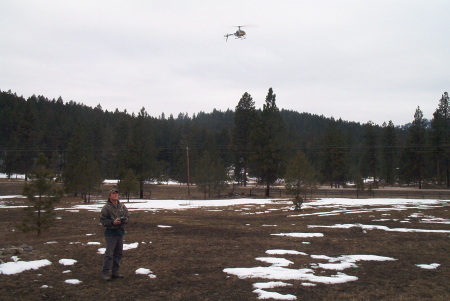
114, 216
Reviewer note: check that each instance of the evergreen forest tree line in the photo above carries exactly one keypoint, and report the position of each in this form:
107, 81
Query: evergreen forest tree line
86, 145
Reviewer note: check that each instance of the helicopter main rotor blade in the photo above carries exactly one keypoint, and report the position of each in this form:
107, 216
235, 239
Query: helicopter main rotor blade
246, 25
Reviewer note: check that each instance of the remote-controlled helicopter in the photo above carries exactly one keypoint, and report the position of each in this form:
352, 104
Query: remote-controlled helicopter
239, 34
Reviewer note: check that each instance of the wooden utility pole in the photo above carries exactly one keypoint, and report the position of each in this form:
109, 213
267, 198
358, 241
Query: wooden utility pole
188, 176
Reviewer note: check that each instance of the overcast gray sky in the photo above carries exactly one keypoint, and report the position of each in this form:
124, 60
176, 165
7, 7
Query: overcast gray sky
358, 60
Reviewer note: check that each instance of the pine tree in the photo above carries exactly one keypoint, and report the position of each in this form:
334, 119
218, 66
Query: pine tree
268, 141
90, 177
440, 135
210, 174
415, 163
43, 194
244, 121
300, 177
370, 158
389, 157
334, 156
140, 150
129, 184
77, 151
28, 136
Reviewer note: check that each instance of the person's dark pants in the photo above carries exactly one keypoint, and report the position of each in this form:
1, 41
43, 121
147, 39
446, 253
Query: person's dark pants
113, 254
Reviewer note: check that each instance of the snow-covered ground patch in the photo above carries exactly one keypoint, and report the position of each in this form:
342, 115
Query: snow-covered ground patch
13, 176
431, 266
301, 235
67, 261
282, 273
10, 268
278, 270
144, 271
337, 202
378, 227
275, 262
261, 287
284, 252
347, 261
177, 204
73, 281
125, 247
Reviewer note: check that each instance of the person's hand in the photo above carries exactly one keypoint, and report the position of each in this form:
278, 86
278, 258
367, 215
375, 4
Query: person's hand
117, 221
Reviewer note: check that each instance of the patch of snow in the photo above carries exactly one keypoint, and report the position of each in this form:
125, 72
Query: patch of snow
125, 247
73, 281
337, 266
177, 204
284, 252
130, 246
276, 262
302, 235
10, 268
272, 284
431, 266
263, 295
260, 289
67, 261
434, 220
347, 261
13, 176
335, 202
281, 273
308, 284
144, 271
378, 227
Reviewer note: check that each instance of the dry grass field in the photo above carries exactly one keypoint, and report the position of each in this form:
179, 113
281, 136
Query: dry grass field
189, 258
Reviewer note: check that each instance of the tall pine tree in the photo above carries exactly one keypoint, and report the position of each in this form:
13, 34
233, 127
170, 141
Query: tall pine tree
268, 143
414, 156
440, 135
389, 157
334, 156
244, 122
370, 158
140, 150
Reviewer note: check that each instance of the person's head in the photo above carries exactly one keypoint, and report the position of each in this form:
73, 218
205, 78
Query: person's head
113, 195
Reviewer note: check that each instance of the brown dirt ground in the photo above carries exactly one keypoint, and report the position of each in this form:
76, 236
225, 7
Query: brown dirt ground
188, 259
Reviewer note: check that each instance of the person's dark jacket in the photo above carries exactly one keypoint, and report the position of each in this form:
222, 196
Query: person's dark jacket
109, 213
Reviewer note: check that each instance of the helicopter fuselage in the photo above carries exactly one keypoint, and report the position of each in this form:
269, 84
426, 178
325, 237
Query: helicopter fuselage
239, 34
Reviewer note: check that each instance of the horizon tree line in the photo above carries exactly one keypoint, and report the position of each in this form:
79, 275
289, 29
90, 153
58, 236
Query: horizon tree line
86, 145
